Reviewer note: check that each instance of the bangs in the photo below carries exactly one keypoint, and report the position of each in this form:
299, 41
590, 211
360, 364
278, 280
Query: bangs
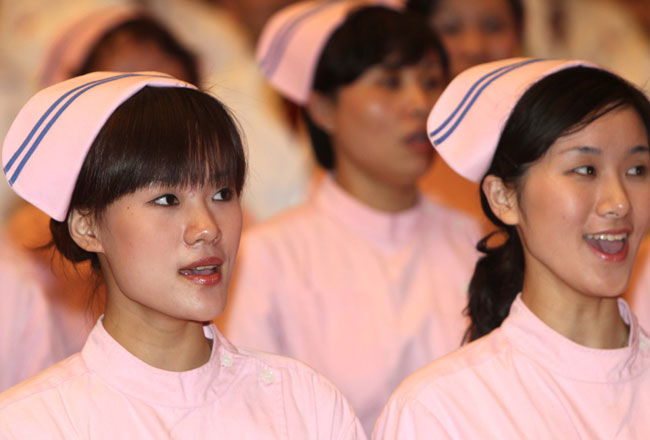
169, 136
375, 36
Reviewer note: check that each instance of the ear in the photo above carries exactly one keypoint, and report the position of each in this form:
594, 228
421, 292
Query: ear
82, 227
321, 110
502, 200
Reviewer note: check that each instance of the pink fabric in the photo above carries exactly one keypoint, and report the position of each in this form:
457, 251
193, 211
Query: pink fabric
48, 141
27, 344
364, 297
291, 43
466, 122
71, 47
104, 392
524, 380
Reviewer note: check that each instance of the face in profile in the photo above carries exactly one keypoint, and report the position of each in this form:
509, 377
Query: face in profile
582, 209
378, 123
168, 252
476, 31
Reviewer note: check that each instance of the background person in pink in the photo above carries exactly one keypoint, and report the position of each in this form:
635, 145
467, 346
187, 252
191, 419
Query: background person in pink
561, 151
142, 174
367, 281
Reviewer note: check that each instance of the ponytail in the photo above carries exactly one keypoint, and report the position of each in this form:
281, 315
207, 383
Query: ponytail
498, 278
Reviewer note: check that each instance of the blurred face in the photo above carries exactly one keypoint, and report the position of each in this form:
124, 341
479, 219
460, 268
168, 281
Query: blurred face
476, 31
128, 55
583, 208
169, 252
254, 13
378, 127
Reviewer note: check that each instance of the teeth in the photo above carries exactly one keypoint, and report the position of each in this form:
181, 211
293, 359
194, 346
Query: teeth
204, 267
607, 237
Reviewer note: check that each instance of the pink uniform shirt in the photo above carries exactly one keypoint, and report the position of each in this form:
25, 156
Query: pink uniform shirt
27, 343
524, 380
365, 297
104, 392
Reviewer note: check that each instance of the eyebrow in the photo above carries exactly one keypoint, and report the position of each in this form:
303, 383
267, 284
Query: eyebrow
594, 150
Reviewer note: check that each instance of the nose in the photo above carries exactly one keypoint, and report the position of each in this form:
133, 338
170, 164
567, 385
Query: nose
420, 100
472, 46
613, 201
201, 226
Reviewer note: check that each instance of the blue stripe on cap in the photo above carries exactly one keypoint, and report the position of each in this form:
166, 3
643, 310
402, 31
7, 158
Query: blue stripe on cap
279, 44
494, 76
79, 91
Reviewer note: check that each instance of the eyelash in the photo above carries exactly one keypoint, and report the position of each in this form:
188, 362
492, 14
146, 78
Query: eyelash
641, 170
224, 194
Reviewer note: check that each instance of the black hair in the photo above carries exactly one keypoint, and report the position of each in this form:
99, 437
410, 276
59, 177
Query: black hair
168, 135
143, 29
368, 37
429, 7
559, 104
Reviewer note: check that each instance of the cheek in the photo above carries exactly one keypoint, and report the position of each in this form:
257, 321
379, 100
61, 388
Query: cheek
547, 207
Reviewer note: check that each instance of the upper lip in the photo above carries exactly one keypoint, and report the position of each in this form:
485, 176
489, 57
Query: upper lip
599, 234
206, 261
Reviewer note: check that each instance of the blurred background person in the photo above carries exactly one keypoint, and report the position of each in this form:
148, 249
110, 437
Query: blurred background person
366, 281
473, 32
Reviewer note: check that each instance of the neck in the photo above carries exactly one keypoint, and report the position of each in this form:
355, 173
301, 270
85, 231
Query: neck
165, 343
593, 322
375, 193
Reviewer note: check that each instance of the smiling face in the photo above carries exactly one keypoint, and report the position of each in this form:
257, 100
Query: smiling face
476, 31
582, 208
169, 252
378, 123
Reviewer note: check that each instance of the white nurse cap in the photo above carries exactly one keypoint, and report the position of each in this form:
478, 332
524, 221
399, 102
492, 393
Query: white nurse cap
466, 122
48, 141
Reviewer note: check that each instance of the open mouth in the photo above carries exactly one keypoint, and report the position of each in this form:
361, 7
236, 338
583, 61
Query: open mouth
609, 244
200, 270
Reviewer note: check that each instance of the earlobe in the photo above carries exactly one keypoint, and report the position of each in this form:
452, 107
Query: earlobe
502, 199
82, 229
321, 110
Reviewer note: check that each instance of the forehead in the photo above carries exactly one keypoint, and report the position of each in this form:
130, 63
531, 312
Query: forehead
618, 131
470, 8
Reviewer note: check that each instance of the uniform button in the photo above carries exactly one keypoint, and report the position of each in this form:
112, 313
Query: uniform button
644, 344
226, 359
267, 376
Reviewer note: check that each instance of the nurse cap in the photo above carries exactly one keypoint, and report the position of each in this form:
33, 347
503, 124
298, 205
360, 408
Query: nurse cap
292, 40
466, 122
74, 42
47, 143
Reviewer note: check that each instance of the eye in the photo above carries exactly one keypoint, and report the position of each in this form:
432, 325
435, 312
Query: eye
492, 25
224, 194
639, 170
166, 200
390, 81
585, 170
432, 82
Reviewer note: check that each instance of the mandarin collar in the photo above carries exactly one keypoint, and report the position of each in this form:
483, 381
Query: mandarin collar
388, 230
535, 339
105, 357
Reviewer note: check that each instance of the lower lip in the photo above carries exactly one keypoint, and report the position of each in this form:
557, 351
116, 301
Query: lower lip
205, 280
614, 258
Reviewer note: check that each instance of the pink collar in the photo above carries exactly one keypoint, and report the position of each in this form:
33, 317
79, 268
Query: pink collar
387, 230
544, 345
120, 369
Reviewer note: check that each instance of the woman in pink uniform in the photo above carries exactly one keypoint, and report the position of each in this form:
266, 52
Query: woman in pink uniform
561, 151
141, 174
367, 281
